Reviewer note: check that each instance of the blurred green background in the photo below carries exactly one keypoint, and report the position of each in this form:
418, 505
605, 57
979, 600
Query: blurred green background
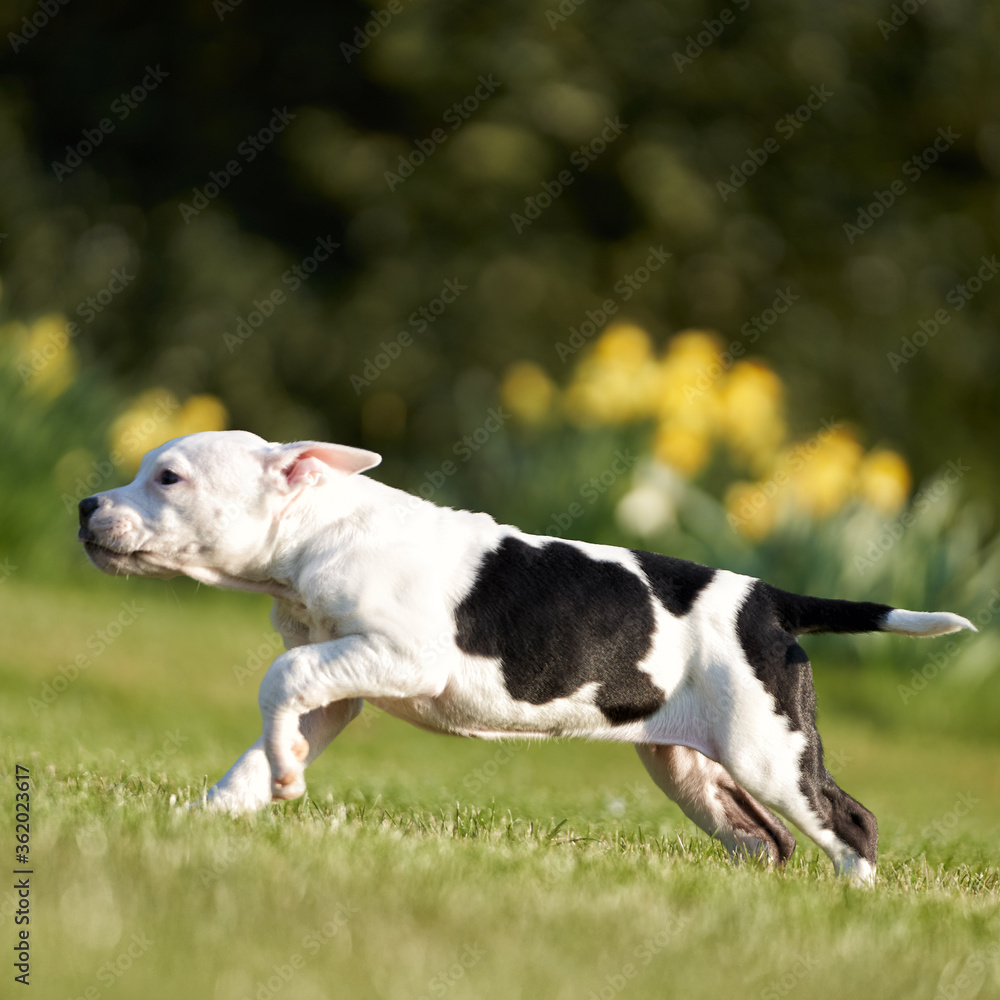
715, 280
494, 179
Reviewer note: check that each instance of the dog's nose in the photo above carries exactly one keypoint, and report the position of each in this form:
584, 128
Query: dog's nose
87, 507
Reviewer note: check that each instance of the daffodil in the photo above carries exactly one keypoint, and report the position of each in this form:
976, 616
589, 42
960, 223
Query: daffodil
884, 480
528, 392
823, 471
617, 382
157, 416
684, 447
46, 359
751, 413
752, 508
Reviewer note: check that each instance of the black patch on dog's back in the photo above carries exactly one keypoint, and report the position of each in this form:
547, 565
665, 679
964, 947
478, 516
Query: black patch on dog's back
557, 620
676, 582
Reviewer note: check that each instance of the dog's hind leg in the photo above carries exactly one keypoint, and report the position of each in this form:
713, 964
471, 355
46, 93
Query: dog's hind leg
777, 754
709, 797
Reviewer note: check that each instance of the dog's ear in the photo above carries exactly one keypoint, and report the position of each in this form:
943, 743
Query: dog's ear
306, 463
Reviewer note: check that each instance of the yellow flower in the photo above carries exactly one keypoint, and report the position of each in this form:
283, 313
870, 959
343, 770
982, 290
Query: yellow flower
527, 391
617, 381
624, 343
685, 448
884, 480
694, 348
751, 509
689, 374
46, 360
751, 413
199, 413
156, 416
143, 425
823, 471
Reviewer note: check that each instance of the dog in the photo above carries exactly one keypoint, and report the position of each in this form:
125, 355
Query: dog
461, 625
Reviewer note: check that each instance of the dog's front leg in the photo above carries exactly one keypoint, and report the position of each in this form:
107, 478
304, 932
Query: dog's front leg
246, 786
308, 677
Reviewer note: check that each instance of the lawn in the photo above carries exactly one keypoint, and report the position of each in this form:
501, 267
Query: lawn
427, 866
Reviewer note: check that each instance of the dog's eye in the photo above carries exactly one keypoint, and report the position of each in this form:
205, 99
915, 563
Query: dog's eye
167, 477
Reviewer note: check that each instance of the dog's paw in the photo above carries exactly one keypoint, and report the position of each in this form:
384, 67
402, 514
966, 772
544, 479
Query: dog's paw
287, 785
287, 751
858, 870
237, 795
287, 778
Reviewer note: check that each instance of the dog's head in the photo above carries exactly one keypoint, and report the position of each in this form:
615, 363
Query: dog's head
211, 506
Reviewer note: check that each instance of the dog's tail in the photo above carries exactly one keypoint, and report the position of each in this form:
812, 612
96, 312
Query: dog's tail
798, 614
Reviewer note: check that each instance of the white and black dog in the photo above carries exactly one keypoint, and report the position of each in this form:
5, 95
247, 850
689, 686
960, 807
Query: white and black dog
461, 625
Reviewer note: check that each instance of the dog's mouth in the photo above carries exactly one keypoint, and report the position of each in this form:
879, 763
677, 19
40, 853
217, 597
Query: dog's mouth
105, 556
124, 562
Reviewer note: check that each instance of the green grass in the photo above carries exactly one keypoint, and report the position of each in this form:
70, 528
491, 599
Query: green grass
551, 870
